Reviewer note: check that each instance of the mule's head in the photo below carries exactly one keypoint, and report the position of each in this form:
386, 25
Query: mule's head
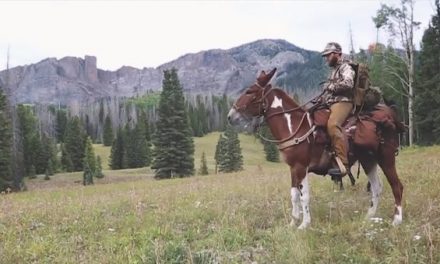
251, 104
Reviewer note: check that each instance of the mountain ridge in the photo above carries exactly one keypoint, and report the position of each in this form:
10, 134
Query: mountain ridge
209, 72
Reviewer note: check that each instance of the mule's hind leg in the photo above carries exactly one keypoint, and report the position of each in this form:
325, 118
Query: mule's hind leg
370, 169
387, 161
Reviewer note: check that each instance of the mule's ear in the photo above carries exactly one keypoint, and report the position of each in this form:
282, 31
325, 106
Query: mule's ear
271, 73
262, 74
264, 78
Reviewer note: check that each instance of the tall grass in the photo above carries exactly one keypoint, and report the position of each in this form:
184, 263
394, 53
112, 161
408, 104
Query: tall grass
226, 218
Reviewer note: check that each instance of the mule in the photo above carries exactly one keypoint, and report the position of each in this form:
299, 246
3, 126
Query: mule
294, 131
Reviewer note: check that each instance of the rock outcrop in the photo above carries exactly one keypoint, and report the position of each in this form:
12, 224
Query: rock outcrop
207, 72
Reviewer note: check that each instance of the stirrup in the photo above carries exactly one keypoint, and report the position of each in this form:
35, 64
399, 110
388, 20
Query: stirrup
340, 171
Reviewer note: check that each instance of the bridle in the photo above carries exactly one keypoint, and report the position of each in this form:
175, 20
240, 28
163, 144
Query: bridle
261, 102
263, 105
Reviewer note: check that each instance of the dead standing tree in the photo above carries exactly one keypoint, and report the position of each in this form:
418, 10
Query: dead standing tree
400, 23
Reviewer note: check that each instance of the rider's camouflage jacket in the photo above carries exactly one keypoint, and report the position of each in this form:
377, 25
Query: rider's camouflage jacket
340, 83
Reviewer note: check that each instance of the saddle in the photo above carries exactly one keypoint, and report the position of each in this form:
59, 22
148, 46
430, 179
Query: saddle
364, 129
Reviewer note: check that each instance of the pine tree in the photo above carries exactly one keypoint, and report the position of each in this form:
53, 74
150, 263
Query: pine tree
203, 166
220, 152
30, 138
74, 143
230, 158
6, 177
61, 123
108, 132
270, 149
32, 172
42, 151
427, 103
49, 169
99, 173
87, 174
46, 175
223, 107
89, 156
173, 144
143, 118
53, 159
66, 160
117, 152
137, 147
233, 160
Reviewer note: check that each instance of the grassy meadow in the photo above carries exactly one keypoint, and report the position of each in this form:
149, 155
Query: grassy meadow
127, 217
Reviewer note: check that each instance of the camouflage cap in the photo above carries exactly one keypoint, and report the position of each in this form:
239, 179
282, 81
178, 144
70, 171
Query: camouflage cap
330, 48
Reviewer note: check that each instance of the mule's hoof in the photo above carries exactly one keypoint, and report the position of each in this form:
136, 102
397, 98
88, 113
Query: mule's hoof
292, 223
303, 226
376, 220
397, 220
370, 214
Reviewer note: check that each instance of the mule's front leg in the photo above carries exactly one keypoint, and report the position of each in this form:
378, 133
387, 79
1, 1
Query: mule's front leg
305, 199
300, 194
296, 211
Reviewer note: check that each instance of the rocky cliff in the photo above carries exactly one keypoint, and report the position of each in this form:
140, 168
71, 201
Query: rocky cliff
206, 72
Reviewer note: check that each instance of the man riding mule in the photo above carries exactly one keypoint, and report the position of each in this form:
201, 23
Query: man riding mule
339, 98
297, 131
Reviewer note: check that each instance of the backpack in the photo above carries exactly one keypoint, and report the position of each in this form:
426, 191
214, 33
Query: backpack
365, 95
361, 82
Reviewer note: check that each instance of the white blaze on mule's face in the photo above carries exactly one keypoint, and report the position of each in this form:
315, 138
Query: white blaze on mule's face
277, 102
233, 115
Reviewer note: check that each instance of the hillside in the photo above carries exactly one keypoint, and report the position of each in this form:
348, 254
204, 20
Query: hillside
213, 72
228, 218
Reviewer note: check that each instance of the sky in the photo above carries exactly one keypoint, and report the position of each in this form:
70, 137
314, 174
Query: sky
150, 33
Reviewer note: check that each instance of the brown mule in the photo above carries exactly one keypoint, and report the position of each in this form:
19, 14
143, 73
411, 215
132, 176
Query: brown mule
297, 137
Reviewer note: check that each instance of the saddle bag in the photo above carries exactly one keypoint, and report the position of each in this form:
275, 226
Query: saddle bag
366, 135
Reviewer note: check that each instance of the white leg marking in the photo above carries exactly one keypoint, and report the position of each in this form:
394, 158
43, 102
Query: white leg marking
305, 199
295, 194
398, 216
376, 190
289, 122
